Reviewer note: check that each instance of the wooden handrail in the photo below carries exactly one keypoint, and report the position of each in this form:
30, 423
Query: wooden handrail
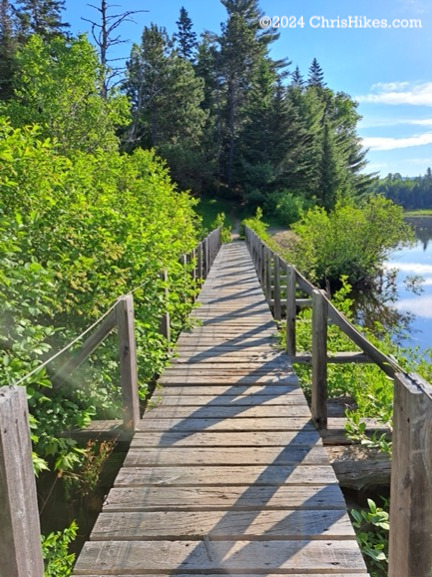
388, 365
122, 318
410, 548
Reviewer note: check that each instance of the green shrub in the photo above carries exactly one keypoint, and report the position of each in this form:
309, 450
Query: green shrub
286, 206
55, 549
350, 240
76, 233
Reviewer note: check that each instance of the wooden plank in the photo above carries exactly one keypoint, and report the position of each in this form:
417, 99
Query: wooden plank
223, 476
215, 390
240, 498
269, 424
20, 548
222, 439
208, 555
104, 574
319, 359
251, 379
234, 411
295, 397
271, 366
127, 356
190, 456
220, 525
338, 358
410, 547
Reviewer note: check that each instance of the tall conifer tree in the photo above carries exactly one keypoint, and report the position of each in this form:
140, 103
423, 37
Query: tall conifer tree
8, 46
43, 17
185, 37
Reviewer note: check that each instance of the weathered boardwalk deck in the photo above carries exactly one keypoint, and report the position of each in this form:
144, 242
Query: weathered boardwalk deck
227, 474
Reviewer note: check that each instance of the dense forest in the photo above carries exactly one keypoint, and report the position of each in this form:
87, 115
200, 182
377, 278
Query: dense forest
411, 193
227, 118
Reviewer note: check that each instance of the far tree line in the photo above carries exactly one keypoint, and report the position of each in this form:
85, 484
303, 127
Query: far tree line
411, 193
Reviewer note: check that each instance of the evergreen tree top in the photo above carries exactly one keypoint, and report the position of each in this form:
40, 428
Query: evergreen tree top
186, 38
42, 17
297, 79
316, 75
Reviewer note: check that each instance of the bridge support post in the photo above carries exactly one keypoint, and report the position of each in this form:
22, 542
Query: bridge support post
20, 545
410, 547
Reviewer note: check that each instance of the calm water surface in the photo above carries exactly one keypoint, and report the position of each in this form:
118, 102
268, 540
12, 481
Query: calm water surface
410, 262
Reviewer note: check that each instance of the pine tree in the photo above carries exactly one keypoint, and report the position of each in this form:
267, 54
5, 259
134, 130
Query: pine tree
296, 78
41, 17
271, 139
8, 46
186, 38
166, 98
316, 75
243, 44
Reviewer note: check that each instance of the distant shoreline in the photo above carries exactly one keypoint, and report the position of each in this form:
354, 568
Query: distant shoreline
419, 212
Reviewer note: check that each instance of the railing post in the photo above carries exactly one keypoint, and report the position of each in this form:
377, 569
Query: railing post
263, 266
193, 256
20, 545
206, 256
277, 297
291, 312
200, 272
268, 282
410, 547
319, 359
128, 364
165, 324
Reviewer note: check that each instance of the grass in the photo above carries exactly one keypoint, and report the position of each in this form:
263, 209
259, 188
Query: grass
419, 212
208, 209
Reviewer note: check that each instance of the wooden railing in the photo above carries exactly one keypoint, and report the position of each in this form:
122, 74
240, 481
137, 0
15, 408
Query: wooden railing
410, 551
20, 548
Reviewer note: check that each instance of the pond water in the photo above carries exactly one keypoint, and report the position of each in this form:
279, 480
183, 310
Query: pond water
411, 262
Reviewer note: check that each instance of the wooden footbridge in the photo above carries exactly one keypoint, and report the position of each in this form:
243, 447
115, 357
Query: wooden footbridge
226, 472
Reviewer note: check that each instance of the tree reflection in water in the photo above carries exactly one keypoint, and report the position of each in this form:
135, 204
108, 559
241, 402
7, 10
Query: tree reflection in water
377, 303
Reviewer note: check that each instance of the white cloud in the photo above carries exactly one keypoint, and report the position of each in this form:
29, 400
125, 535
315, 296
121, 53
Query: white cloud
371, 122
412, 267
389, 86
388, 143
399, 93
421, 306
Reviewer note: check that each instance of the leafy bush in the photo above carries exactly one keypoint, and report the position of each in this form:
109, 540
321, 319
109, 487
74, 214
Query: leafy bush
350, 240
55, 549
58, 88
372, 532
75, 233
286, 206
225, 230
256, 224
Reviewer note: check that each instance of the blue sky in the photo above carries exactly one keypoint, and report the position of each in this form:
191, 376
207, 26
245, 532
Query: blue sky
387, 70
